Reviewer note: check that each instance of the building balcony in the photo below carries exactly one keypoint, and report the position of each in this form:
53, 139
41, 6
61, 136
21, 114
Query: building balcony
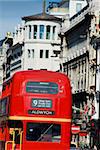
77, 18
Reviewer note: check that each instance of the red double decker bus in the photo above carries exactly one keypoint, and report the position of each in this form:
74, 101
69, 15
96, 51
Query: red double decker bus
35, 111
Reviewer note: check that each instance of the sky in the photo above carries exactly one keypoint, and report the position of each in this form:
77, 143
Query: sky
11, 12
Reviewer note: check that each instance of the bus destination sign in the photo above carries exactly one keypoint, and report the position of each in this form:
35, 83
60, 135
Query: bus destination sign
41, 103
41, 112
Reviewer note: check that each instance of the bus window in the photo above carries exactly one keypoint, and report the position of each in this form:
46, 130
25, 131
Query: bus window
42, 87
2, 145
17, 135
16, 132
11, 130
43, 132
4, 106
15, 127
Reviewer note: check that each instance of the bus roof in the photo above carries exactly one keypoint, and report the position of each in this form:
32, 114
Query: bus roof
41, 73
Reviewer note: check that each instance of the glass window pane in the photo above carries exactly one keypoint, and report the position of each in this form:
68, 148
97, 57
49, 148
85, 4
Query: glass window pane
48, 32
29, 32
53, 35
42, 87
3, 107
35, 31
41, 53
43, 132
78, 7
47, 54
29, 53
41, 31
32, 53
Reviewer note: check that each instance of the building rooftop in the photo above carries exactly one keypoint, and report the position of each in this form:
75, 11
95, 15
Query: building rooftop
42, 16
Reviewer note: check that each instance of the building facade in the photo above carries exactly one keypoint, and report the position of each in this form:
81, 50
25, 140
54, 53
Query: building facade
36, 43
79, 57
1, 63
4, 45
66, 7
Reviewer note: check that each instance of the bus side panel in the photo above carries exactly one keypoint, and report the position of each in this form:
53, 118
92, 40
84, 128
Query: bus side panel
44, 146
66, 134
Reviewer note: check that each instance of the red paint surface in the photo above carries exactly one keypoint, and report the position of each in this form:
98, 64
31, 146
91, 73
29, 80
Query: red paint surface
19, 103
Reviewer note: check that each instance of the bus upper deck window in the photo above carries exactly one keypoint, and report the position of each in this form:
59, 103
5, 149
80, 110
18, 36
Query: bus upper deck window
42, 87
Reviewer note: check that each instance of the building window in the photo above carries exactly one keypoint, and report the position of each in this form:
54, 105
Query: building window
41, 53
85, 82
47, 54
82, 68
47, 32
78, 7
32, 53
78, 85
1, 51
82, 83
35, 31
41, 31
29, 32
29, 53
15, 56
53, 35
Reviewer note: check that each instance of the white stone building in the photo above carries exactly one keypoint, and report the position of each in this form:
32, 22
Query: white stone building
4, 45
80, 55
36, 43
1, 63
66, 7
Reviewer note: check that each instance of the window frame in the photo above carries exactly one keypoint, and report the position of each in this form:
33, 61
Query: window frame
41, 134
47, 54
42, 87
78, 7
35, 32
6, 99
41, 32
30, 30
48, 30
29, 53
41, 53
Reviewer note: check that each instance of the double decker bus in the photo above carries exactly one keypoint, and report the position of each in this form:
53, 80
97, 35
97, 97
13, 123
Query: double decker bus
35, 111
